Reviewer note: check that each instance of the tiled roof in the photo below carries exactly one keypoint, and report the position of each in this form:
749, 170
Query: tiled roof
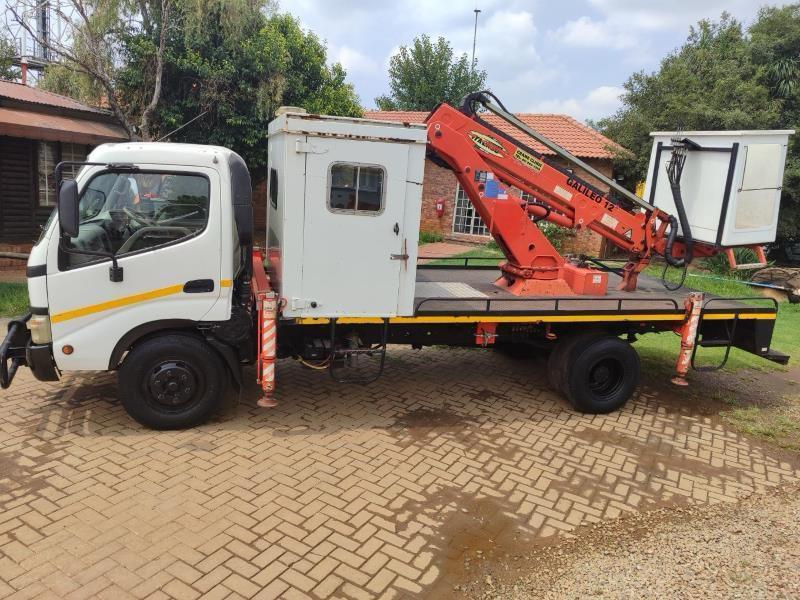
31, 95
577, 138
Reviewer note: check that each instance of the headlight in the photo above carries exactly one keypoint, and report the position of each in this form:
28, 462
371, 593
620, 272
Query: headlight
40, 329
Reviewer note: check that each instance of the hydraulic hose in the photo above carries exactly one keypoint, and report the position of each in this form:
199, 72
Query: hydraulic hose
674, 172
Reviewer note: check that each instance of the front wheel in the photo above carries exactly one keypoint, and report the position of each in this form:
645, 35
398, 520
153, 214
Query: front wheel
173, 381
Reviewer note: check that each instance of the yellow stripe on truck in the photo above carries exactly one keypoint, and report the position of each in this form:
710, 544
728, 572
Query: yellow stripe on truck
116, 303
489, 318
123, 301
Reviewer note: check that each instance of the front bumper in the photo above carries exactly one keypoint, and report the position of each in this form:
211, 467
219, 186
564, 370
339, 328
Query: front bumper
18, 350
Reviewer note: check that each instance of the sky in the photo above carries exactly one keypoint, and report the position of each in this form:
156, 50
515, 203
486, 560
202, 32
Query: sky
563, 56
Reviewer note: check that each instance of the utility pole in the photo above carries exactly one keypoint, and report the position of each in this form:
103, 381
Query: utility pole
474, 38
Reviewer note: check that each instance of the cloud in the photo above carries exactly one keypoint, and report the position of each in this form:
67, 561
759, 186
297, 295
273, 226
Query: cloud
533, 51
637, 15
354, 61
599, 102
588, 33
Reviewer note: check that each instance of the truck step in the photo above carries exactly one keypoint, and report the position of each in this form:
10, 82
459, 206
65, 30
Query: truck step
777, 357
715, 343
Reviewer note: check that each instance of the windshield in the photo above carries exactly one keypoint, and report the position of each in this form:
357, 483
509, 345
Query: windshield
128, 212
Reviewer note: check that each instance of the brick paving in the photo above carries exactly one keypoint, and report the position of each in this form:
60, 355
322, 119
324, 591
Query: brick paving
341, 491
434, 250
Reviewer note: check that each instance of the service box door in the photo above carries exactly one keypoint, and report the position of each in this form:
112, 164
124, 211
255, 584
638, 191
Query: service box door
354, 248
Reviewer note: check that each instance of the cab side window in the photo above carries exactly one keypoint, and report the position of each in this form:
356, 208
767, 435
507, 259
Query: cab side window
123, 213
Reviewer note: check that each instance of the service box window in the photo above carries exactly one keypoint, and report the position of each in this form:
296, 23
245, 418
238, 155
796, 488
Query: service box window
356, 189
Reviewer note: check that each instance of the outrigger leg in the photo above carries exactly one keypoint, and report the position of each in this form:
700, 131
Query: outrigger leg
688, 333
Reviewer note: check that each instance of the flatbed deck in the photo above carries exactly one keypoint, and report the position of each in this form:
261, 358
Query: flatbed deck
470, 291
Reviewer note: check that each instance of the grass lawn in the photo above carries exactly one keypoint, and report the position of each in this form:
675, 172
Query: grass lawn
663, 348
13, 299
486, 256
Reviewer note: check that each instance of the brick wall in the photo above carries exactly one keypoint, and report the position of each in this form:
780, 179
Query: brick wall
441, 183
12, 264
260, 210
438, 183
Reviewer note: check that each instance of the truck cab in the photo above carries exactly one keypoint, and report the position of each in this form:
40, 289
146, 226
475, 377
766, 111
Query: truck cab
163, 232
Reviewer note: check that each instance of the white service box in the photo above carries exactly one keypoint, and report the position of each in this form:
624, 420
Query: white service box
343, 210
731, 185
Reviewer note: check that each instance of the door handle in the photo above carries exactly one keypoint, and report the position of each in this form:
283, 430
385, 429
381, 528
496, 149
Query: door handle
403, 255
198, 286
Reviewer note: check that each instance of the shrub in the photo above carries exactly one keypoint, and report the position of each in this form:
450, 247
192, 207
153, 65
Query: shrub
430, 237
555, 235
718, 264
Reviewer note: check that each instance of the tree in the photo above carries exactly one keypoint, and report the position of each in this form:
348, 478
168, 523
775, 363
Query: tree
424, 74
775, 45
235, 80
720, 79
710, 82
96, 34
216, 75
7, 70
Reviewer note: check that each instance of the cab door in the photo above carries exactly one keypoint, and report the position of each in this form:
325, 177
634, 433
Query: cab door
164, 225
354, 246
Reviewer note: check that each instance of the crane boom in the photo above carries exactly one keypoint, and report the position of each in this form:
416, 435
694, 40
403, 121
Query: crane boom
490, 164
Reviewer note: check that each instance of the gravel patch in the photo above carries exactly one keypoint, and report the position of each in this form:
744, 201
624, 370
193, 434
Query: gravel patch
747, 550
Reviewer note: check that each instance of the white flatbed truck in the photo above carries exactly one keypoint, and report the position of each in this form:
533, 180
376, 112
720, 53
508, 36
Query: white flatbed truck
148, 268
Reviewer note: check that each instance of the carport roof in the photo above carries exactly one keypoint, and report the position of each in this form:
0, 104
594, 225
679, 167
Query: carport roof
32, 113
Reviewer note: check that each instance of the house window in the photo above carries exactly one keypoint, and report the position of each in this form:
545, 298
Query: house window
49, 154
465, 218
356, 189
47, 158
73, 153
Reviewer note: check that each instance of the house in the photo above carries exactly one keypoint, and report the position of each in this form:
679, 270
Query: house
459, 221
39, 129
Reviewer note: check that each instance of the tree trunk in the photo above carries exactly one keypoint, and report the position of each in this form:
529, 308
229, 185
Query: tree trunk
162, 42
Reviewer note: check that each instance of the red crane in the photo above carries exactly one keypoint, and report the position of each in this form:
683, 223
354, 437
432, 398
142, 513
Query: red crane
488, 163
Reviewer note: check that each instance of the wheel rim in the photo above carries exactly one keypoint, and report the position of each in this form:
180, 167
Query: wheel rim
173, 385
606, 378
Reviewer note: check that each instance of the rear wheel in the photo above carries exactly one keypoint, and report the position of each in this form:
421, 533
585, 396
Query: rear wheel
172, 381
601, 375
557, 368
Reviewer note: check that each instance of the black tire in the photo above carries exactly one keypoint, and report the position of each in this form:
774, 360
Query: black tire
172, 381
557, 371
601, 375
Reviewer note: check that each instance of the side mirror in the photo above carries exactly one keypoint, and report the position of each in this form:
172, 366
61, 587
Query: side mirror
68, 214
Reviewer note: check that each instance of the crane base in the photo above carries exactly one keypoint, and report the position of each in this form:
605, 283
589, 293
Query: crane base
570, 280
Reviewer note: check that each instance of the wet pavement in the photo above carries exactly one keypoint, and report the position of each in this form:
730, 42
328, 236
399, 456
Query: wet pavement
350, 491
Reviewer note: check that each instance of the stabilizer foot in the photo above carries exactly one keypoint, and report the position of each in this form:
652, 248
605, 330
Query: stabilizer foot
267, 402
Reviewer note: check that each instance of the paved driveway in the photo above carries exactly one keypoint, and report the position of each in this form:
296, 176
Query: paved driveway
342, 491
